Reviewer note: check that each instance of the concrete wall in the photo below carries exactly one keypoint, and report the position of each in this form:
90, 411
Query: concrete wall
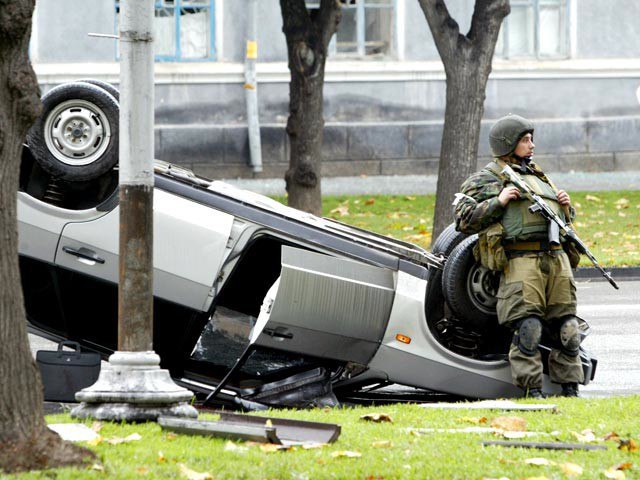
381, 116
608, 29
63, 27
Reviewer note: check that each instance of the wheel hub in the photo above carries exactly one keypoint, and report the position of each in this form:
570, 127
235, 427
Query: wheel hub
77, 132
482, 285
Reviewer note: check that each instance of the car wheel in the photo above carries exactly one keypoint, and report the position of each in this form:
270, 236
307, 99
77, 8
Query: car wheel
469, 288
76, 137
107, 87
443, 245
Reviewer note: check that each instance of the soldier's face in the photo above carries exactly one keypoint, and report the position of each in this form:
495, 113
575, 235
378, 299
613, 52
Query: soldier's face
525, 146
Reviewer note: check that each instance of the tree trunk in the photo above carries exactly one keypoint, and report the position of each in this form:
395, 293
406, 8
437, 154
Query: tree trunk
25, 441
308, 35
467, 63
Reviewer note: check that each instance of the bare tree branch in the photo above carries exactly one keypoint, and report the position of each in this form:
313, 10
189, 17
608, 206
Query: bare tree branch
444, 28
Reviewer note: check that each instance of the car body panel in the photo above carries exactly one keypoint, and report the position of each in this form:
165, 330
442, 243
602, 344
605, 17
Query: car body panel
189, 245
329, 307
40, 224
424, 361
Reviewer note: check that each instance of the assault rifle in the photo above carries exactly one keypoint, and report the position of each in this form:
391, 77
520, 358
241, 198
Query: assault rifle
541, 207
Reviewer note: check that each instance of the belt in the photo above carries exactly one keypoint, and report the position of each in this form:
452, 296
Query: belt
532, 246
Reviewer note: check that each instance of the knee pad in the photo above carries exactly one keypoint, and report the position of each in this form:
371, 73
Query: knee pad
569, 334
527, 336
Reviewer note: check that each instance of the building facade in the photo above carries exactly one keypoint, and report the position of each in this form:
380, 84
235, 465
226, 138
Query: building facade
572, 66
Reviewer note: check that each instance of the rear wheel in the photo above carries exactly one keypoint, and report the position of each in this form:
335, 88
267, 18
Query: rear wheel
107, 87
76, 137
469, 288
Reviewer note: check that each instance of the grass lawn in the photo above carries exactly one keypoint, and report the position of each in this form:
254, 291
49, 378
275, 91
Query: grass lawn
608, 222
385, 450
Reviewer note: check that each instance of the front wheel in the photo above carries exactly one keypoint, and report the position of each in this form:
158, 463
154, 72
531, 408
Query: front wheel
76, 137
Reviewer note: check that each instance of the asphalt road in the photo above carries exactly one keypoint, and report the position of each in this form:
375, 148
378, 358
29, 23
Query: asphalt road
614, 317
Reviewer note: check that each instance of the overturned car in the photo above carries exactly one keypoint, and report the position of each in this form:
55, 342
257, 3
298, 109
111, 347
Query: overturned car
301, 310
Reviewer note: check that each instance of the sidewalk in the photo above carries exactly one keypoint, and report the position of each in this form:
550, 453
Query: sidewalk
425, 184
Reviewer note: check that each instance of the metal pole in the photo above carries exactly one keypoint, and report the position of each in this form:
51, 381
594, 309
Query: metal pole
251, 88
135, 299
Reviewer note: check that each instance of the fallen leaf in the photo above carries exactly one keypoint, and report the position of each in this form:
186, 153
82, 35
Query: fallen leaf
628, 445
622, 203
96, 426
342, 210
346, 453
571, 469
134, 437
370, 201
377, 417
614, 474
161, 457
234, 447
98, 467
611, 436
382, 444
623, 466
192, 474
541, 477
312, 446
494, 478
272, 447
476, 420
538, 461
410, 198
171, 436
592, 198
96, 441
510, 424
142, 470
375, 477
586, 436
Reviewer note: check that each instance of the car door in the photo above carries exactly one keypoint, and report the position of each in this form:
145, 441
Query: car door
189, 246
328, 307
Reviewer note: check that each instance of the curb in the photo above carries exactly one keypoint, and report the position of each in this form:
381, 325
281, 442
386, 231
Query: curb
618, 273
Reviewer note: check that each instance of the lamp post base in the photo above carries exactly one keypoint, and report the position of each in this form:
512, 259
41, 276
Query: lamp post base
134, 388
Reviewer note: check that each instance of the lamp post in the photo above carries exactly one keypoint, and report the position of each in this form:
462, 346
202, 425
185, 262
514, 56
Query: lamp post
133, 387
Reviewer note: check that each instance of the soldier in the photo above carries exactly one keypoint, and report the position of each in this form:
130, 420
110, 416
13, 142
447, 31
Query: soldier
536, 286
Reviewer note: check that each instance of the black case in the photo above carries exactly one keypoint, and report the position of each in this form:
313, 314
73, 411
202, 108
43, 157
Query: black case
66, 372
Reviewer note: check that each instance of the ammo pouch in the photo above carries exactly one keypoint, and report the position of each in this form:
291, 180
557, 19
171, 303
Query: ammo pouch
489, 250
572, 252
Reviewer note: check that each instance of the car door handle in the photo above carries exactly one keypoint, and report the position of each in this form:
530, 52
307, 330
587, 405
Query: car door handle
279, 333
84, 253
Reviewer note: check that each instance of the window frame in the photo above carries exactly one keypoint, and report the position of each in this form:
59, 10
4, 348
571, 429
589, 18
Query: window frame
564, 7
177, 6
361, 6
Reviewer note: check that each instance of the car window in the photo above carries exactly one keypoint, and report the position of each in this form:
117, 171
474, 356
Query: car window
225, 337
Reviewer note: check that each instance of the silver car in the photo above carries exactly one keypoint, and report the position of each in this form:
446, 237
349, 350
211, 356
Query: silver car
303, 310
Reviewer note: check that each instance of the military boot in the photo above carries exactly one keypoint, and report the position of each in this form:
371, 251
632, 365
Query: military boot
570, 389
534, 393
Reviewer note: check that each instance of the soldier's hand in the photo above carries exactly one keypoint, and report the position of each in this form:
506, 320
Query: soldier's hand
507, 194
563, 198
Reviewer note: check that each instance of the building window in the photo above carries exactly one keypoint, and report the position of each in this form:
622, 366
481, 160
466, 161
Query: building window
184, 30
535, 29
365, 29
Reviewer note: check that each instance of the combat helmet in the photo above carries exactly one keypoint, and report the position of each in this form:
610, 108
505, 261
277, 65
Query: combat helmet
507, 132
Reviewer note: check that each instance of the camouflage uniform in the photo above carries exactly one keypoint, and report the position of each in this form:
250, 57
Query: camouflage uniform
533, 283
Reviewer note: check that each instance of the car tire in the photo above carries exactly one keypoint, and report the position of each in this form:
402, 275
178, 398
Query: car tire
107, 87
443, 245
76, 137
469, 288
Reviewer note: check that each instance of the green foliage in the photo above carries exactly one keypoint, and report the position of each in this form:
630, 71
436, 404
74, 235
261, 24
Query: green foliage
388, 450
608, 222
